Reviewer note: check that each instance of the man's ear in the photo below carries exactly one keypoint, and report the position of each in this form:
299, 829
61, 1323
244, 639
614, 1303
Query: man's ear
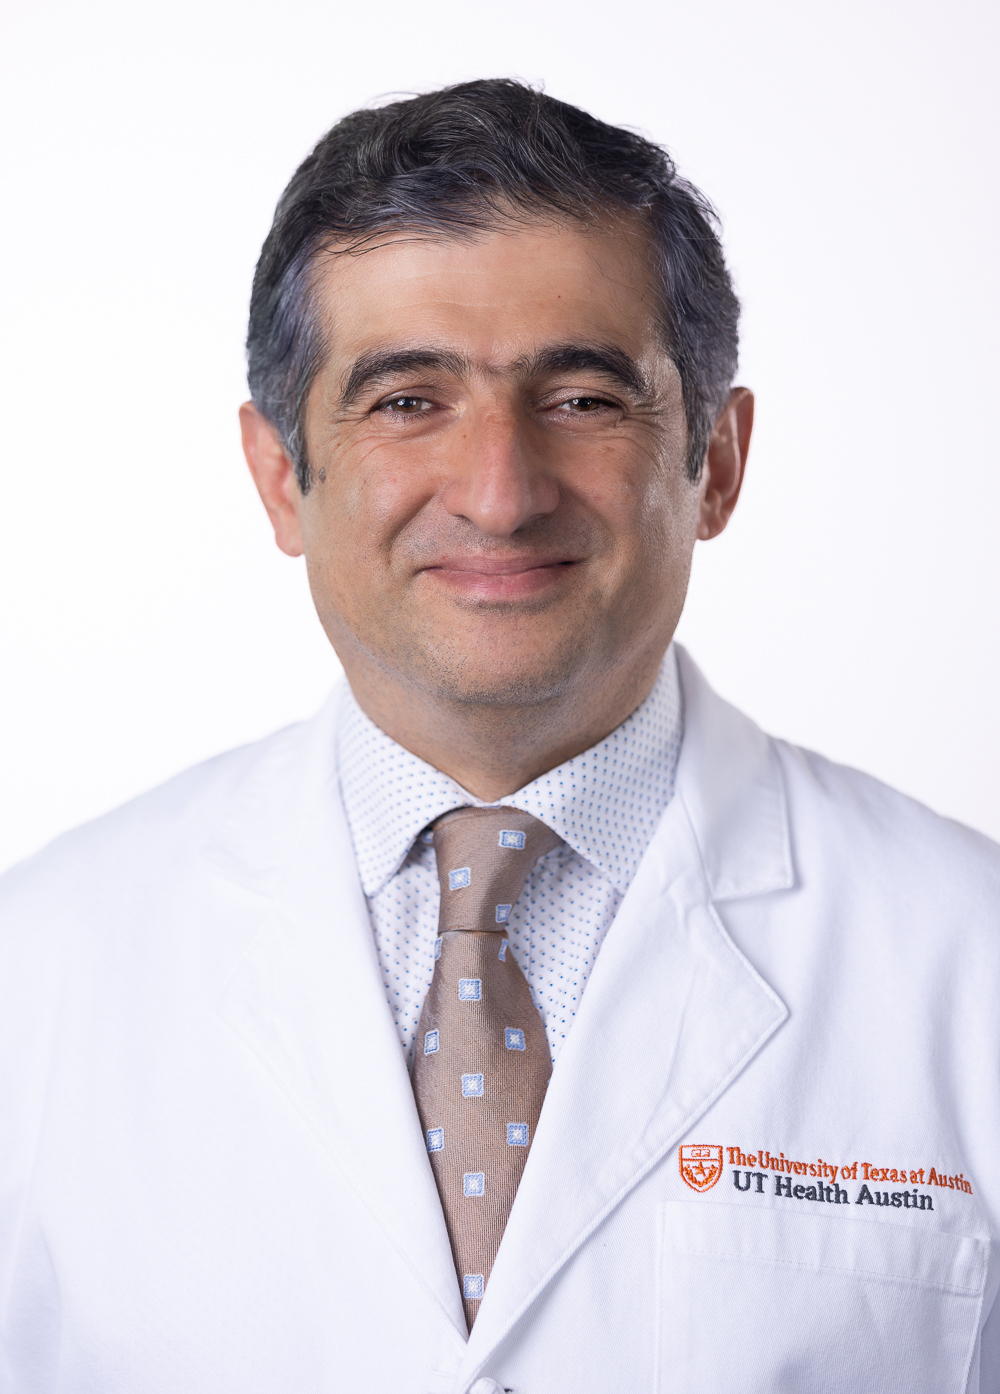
274, 475
725, 462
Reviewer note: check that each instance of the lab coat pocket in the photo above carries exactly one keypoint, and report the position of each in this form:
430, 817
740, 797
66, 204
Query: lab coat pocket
755, 1300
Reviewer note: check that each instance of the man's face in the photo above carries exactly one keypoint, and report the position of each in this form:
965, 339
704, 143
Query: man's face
499, 509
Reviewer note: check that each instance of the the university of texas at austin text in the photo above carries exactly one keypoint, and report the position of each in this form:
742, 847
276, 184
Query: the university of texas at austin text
701, 1167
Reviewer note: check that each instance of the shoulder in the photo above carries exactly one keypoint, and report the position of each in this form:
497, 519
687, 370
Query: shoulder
756, 799
842, 815
157, 833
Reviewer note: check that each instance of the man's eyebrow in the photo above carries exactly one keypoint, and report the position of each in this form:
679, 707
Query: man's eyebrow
607, 359
380, 364
612, 362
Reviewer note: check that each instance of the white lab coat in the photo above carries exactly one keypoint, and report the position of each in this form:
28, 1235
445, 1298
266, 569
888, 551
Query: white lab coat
213, 1178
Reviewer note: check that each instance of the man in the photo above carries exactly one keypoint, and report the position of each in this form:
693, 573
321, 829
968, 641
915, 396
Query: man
528, 1020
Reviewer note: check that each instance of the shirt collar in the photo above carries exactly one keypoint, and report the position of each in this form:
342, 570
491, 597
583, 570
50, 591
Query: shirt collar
605, 803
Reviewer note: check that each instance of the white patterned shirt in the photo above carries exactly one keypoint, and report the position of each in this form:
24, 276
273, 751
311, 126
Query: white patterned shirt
605, 804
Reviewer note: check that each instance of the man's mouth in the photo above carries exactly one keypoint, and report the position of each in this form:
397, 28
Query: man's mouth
501, 578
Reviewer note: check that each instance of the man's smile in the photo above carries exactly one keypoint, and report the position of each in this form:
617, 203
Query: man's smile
500, 578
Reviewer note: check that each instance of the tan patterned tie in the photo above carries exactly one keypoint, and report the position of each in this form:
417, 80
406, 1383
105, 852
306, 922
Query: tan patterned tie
482, 1060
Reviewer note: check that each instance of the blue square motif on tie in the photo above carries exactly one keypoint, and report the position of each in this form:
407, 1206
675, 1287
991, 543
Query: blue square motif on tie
459, 878
513, 1038
470, 989
435, 1139
517, 1134
437, 947
503, 913
472, 1284
472, 1086
504, 946
474, 1183
432, 1042
510, 838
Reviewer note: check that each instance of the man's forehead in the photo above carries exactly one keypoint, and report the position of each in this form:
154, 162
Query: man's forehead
500, 296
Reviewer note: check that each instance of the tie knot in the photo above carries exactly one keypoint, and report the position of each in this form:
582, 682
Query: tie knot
483, 859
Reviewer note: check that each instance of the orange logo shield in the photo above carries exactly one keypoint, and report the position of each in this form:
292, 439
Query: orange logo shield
700, 1166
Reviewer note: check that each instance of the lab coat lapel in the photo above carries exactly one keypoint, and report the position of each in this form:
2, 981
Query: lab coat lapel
671, 1015
309, 1001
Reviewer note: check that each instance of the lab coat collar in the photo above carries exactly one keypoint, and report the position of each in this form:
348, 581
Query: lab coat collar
672, 1013
729, 780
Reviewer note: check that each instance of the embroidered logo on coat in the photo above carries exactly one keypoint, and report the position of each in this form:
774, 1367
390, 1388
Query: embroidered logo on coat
821, 1180
700, 1166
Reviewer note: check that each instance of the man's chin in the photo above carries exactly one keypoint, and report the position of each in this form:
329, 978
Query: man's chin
502, 675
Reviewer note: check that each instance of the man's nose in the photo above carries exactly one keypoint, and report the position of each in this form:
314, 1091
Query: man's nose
499, 479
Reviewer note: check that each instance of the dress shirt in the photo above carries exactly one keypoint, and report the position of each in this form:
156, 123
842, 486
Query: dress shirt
604, 803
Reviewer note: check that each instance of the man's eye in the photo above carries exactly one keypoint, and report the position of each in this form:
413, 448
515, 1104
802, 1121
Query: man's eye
406, 406
586, 404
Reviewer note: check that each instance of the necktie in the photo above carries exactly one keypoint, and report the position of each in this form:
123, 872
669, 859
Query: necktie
482, 1060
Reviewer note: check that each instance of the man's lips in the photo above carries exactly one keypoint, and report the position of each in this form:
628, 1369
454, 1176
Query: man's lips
500, 578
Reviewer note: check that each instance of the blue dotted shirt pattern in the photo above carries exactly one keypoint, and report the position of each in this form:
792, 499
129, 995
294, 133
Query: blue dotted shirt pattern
605, 804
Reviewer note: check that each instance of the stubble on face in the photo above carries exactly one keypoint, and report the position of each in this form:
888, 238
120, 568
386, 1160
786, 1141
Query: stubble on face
471, 649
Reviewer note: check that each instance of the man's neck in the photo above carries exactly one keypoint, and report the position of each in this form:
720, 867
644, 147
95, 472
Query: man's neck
490, 749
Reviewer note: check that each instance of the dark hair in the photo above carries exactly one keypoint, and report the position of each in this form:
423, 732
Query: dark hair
462, 159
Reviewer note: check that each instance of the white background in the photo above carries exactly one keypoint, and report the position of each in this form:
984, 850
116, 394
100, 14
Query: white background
147, 619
